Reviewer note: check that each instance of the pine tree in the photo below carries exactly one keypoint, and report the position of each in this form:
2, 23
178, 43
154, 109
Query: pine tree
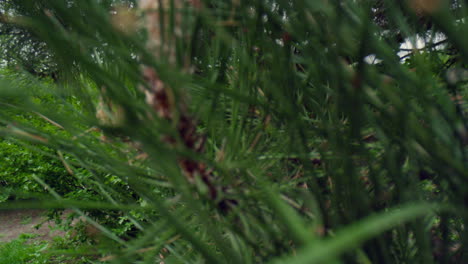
254, 131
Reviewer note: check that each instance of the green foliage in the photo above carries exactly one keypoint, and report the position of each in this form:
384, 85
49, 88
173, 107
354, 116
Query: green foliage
18, 251
19, 163
22, 250
311, 154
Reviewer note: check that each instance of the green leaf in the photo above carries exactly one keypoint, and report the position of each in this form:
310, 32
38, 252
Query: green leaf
352, 236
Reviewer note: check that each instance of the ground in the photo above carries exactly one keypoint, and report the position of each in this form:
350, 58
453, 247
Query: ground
16, 222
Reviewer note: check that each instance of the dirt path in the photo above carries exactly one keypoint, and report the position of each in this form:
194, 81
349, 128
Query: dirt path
16, 222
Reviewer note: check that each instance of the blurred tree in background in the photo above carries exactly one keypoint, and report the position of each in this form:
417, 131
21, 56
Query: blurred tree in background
21, 48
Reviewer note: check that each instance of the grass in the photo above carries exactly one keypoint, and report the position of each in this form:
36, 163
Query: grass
19, 251
26, 220
259, 135
57, 251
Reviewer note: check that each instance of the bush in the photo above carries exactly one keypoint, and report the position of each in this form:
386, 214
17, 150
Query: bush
257, 131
